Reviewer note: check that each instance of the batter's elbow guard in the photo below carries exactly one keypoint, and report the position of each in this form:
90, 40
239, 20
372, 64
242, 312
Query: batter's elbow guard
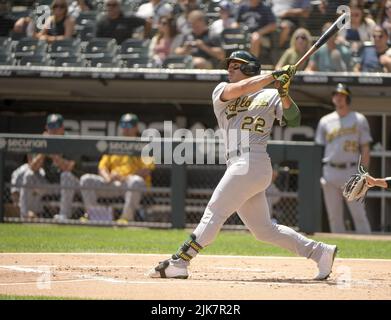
292, 115
294, 122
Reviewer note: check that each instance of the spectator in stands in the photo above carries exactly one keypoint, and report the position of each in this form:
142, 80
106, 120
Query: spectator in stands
226, 20
376, 57
25, 26
260, 21
78, 6
205, 50
49, 168
361, 27
154, 9
120, 172
300, 43
290, 15
6, 21
166, 40
182, 11
385, 19
331, 57
115, 24
322, 12
59, 25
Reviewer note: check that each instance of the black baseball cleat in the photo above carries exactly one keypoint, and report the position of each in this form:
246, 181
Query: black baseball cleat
176, 269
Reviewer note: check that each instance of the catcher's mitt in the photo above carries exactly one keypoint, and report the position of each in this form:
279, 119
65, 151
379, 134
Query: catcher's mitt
356, 187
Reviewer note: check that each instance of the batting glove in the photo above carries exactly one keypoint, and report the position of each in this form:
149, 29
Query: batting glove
284, 84
289, 70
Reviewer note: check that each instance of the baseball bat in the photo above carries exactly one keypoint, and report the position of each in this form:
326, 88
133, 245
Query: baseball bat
333, 29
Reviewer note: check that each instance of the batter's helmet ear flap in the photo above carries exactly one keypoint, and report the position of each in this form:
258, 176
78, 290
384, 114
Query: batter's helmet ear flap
250, 69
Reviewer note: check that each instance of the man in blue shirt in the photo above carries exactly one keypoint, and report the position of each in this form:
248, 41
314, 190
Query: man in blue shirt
376, 57
260, 21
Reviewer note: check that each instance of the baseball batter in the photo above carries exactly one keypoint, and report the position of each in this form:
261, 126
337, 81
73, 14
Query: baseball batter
245, 105
345, 135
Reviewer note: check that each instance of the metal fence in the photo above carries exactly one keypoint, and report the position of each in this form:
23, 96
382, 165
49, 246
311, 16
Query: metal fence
177, 197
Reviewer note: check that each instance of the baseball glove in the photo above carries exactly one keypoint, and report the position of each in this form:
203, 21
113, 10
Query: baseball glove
356, 187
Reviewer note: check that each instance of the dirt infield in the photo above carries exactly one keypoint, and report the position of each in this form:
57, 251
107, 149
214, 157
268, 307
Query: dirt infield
121, 276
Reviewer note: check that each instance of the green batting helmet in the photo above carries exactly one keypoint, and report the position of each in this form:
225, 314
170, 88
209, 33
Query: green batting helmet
250, 66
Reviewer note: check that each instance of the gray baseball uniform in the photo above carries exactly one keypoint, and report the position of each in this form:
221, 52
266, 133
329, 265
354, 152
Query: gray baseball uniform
31, 192
91, 183
342, 138
242, 188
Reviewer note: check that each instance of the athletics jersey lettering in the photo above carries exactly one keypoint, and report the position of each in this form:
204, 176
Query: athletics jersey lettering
339, 132
342, 136
242, 104
247, 119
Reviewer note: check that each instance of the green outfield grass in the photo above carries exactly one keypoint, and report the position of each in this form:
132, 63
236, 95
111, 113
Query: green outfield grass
56, 238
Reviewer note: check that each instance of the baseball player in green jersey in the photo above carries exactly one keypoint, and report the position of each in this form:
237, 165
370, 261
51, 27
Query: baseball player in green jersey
245, 105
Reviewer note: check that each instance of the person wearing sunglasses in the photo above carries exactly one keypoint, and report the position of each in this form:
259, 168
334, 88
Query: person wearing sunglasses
165, 41
60, 25
385, 18
361, 27
377, 56
299, 45
50, 169
119, 172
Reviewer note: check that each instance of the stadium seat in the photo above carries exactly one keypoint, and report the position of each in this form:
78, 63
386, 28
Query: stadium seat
71, 61
137, 62
178, 62
86, 32
6, 60
44, 2
5, 45
20, 12
105, 62
133, 48
64, 48
86, 17
234, 39
36, 60
100, 47
30, 47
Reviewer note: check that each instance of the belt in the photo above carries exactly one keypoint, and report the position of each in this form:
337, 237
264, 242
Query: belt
237, 153
342, 165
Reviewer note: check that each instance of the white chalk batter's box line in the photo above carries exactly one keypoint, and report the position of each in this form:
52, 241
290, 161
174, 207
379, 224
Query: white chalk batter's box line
85, 278
168, 255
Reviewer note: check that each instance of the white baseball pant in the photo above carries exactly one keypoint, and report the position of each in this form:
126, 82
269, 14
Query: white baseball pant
92, 183
332, 183
245, 194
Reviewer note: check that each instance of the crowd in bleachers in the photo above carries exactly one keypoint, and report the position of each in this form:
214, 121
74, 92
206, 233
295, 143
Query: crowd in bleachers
192, 33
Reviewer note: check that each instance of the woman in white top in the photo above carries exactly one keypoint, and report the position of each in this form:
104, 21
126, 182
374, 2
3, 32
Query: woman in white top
361, 27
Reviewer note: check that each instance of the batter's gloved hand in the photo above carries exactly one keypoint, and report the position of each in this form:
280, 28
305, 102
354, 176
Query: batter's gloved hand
289, 70
356, 187
284, 82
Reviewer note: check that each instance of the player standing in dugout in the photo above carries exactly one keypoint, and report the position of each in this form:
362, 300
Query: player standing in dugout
245, 105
